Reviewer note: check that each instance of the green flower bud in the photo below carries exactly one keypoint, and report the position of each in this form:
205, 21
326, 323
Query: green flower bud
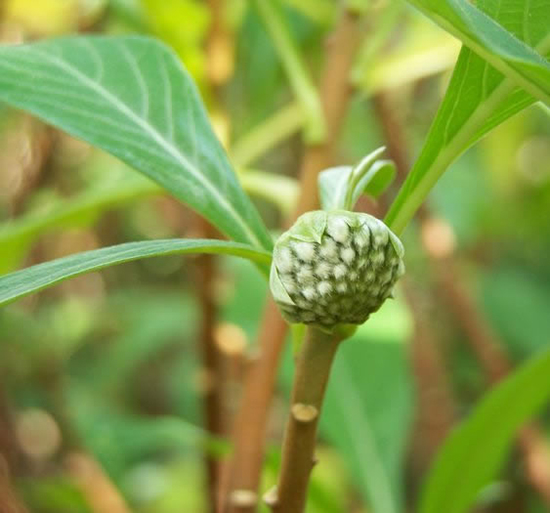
335, 268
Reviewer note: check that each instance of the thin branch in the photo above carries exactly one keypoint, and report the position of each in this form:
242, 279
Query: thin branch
205, 266
218, 70
250, 425
9, 502
10, 459
99, 491
335, 93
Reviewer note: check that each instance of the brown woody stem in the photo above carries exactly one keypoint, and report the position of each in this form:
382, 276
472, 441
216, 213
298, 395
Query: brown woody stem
312, 372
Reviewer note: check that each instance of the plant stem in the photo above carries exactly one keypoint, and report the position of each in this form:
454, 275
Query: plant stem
267, 134
211, 364
300, 81
250, 424
95, 485
312, 373
249, 430
10, 458
9, 502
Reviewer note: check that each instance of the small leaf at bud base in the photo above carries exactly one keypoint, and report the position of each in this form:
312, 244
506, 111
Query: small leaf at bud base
335, 268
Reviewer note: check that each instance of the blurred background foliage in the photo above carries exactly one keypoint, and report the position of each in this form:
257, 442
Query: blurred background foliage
107, 364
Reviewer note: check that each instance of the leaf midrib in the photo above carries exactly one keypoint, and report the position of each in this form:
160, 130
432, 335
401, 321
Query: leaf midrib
153, 132
446, 157
500, 64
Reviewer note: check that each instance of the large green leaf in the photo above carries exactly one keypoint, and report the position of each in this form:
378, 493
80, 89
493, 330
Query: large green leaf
478, 98
473, 453
494, 43
37, 277
132, 97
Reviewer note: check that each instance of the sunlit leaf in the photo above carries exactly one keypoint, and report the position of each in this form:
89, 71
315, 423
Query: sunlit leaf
473, 453
183, 24
320, 11
38, 277
478, 99
132, 97
510, 53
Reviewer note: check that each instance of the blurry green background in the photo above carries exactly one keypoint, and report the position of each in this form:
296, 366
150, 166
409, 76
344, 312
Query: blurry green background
110, 361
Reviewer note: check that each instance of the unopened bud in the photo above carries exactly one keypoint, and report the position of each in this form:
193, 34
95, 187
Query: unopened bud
335, 268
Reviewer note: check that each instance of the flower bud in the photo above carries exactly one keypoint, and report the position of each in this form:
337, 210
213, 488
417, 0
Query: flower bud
335, 268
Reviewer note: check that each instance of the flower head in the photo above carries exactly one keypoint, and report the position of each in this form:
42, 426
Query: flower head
335, 268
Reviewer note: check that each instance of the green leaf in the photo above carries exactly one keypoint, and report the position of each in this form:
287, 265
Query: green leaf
491, 41
473, 453
38, 277
341, 187
131, 96
478, 99
333, 184
377, 180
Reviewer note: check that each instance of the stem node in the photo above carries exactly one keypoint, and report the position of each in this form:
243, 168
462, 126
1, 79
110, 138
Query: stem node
271, 498
312, 372
304, 412
243, 498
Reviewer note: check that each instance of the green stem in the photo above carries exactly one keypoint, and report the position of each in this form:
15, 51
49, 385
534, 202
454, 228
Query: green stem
312, 372
300, 81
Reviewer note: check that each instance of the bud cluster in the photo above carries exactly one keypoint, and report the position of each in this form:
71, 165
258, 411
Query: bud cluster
335, 268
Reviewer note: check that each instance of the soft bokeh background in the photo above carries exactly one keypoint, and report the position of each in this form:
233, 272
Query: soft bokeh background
109, 363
